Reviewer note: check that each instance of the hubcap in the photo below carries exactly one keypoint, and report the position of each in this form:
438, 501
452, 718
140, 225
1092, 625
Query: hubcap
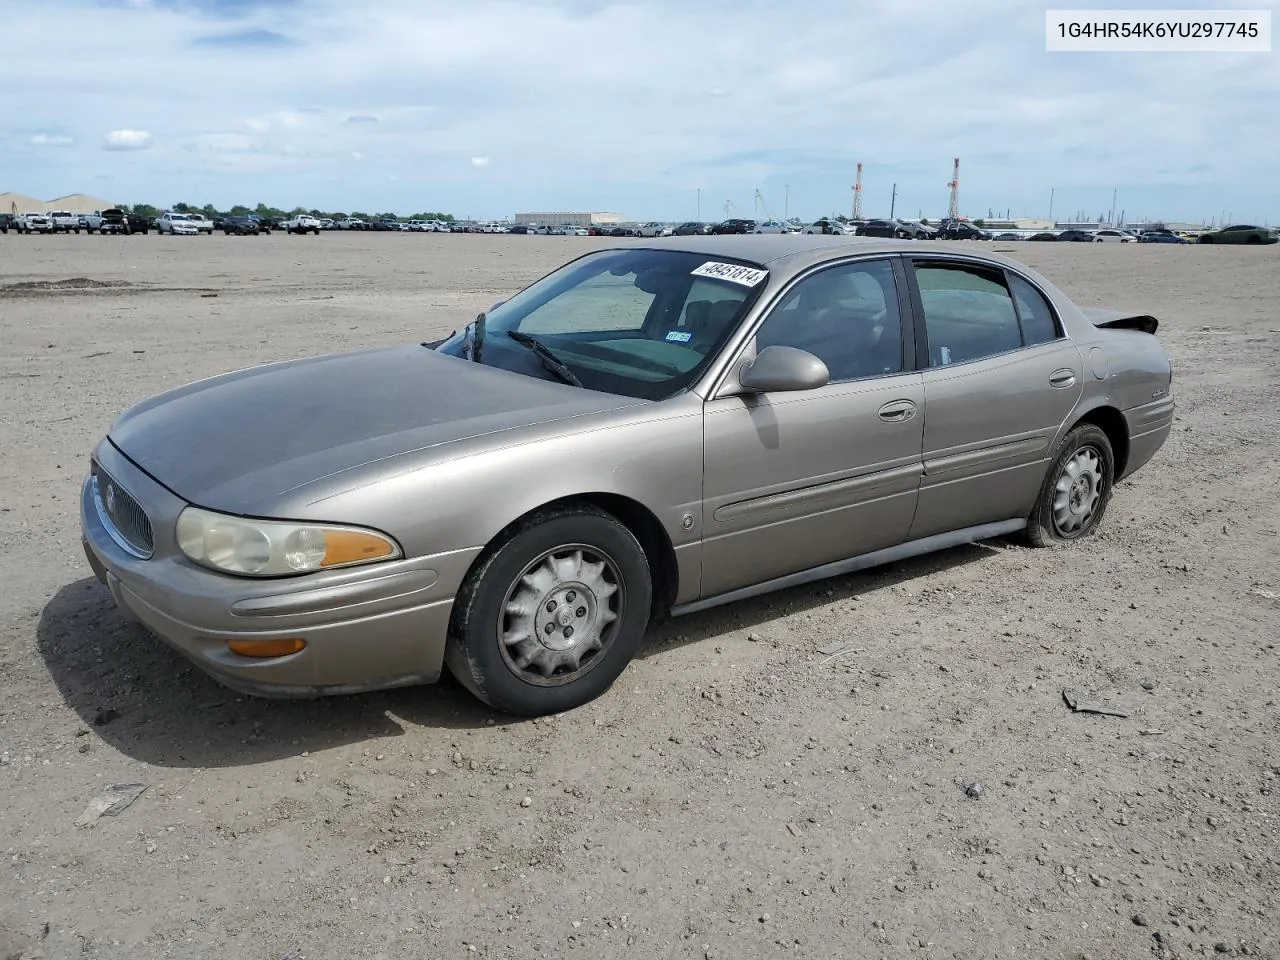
1077, 492
560, 614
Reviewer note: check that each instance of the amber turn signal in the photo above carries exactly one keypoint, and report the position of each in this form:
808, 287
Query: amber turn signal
266, 648
342, 547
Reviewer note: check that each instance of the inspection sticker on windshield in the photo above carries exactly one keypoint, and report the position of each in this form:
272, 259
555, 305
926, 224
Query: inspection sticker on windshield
733, 272
679, 336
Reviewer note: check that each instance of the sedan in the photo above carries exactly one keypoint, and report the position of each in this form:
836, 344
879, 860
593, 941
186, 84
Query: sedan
734, 225
1114, 236
1240, 233
692, 228
655, 428
1161, 236
240, 226
774, 226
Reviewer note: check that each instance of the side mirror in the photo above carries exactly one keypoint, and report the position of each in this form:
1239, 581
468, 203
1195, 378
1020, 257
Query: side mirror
497, 305
778, 369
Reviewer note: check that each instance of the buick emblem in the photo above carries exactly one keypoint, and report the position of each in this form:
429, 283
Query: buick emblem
111, 498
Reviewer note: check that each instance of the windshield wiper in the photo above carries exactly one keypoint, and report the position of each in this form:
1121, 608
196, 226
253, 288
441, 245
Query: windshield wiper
546, 355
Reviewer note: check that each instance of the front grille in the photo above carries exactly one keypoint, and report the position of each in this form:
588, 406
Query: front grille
122, 515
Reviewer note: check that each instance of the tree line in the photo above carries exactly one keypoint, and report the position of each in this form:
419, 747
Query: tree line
274, 213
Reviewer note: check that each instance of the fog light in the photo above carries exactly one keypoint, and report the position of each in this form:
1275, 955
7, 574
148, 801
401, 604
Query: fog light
266, 648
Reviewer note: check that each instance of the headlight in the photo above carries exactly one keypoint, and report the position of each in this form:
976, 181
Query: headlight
277, 548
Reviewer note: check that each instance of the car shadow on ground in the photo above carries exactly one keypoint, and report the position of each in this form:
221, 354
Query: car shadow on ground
148, 702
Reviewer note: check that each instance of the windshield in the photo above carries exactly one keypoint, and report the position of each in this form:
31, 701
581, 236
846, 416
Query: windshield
640, 323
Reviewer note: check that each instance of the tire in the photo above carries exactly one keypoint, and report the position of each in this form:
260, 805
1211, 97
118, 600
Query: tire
1254, 239
476, 654
1205, 240
1076, 489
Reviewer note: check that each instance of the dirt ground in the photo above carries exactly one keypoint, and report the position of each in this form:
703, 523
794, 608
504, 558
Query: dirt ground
784, 777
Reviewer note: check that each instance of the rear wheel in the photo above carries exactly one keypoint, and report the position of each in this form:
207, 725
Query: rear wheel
552, 613
1206, 240
1254, 239
1076, 489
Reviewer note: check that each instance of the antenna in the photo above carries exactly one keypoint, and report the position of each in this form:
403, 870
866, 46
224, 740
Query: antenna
857, 195
953, 210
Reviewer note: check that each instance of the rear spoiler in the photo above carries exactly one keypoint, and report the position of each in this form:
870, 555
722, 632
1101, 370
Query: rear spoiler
1120, 319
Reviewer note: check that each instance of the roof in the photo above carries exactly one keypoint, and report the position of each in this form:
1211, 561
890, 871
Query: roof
796, 251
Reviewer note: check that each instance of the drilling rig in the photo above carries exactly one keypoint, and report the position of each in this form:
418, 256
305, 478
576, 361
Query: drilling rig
953, 209
857, 195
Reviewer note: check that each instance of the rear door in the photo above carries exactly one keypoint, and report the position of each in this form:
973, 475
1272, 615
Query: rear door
794, 480
1000, 378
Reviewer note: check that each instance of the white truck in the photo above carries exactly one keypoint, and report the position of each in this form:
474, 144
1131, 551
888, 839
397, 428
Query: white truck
303, 223
64, 221
34, 223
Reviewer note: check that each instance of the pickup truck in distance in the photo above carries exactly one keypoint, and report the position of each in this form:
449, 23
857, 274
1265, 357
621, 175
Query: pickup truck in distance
34, 223
64, 221
303, 223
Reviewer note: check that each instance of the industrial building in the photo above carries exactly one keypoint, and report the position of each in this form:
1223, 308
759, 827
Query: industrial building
566, 219
16, 203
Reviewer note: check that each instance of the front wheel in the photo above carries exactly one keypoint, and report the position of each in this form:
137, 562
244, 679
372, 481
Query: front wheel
1076, 489
552, 613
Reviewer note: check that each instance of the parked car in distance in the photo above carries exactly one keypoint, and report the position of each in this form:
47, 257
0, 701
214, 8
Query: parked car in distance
1239, 233
34, 222
1114, 236
1045, 236
351, 223
801, 409
64, 221
774, 226
919, 230
8, 220
1161, 236
960, 230
894, 229
1076, 236
692, 228
655, 229
827, 226
202, 223
302, 224
240, 227
734, 225
113, 220
178, 223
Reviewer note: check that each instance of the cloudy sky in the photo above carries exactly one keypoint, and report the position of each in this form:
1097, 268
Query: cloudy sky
482, 108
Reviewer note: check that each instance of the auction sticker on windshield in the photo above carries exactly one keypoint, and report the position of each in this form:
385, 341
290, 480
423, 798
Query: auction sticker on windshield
733, 272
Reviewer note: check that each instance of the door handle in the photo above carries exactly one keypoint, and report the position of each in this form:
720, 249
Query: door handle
897, 411
1062, 378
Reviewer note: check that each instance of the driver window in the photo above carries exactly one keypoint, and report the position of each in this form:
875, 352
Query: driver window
847, 316
600, 303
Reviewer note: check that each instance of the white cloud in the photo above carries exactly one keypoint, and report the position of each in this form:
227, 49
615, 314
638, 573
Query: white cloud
51, 140
732, 95
126, 140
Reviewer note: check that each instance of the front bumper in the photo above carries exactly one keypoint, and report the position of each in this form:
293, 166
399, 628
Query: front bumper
365, 628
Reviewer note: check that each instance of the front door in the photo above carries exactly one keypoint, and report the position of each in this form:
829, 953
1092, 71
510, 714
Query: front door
1000, 381
794, 480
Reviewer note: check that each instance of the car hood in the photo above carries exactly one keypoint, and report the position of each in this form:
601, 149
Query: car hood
237, 442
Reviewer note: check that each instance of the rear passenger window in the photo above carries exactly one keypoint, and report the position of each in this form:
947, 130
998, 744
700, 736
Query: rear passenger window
1038, 324
968, 313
